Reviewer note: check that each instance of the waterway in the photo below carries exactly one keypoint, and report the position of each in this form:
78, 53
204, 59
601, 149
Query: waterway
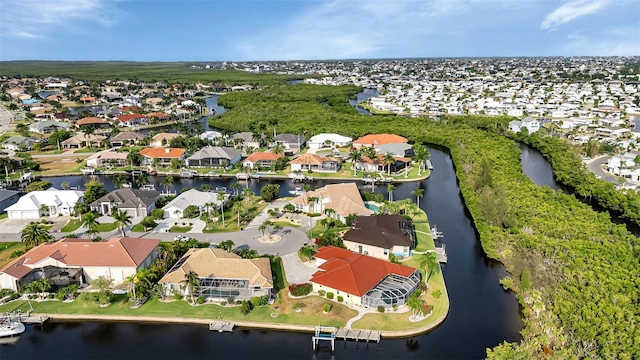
538, 169
482, 314
363, 96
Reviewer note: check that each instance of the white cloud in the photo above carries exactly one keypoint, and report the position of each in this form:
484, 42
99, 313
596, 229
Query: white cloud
608, 42
35, 18
571, 11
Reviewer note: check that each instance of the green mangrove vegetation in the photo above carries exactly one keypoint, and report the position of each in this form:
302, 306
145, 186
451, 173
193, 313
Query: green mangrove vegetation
574, 271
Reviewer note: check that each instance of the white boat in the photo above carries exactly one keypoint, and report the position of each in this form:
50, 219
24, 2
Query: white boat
296, 191
10, 327
188, 173
148, 187
126, 185
87, 170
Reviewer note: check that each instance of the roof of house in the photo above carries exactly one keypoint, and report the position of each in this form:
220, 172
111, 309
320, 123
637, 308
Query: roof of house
320, 138
165, 136
129, 198
157, 114
5, 194
216, 152
80, 138
128, 117
343, 198
175, 153
262, 156
91, 121
353, 273
50, 197
394, 148
123, 251
217, 263
290, 139
193, 197
48, 123
383, 231
19, 140
109, 154
245, 136
380, 139
311, 159
127, 135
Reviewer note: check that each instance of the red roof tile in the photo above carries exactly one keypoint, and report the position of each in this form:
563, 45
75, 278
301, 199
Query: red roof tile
353, 273
129, 117
263, 156
162, 152
380, 139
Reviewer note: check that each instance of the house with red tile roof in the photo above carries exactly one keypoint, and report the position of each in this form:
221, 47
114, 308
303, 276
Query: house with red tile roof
132, 119
261, 160
94, 122
363, 280
164, 155
376, 140
315, 162
80, 261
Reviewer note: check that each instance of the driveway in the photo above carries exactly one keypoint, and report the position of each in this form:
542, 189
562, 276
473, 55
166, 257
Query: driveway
595, 166
296, 271
14, 226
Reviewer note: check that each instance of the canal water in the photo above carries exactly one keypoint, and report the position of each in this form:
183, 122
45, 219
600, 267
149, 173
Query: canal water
538, 169
363, 96
482, 314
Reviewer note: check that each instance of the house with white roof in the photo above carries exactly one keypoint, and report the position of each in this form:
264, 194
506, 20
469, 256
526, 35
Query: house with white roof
328, 140
177, 206
51, 202
531, 124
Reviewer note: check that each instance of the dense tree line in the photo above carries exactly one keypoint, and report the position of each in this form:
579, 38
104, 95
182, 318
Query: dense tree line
574, 271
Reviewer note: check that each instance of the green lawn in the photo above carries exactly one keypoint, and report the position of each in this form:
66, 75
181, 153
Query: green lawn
4, 215
106, 227
285, 223
138, 228
180, 229
6, 249
72, 225
424, 241
86, 150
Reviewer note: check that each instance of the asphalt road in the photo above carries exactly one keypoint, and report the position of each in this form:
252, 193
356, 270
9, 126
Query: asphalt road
6, 120
595, 166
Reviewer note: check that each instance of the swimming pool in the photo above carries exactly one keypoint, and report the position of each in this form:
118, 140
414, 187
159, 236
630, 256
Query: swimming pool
372, 207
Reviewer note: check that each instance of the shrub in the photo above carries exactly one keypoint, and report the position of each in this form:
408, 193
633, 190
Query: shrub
17, 253
340, 298
321, 292
157, 214
201, 299
436, 294
326, 308
300, 289
380, 308
330, 295
176, 294
246, 307
426, 309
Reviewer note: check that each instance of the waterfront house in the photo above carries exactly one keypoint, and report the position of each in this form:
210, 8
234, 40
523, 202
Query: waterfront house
222, 275
163, 139
93, 122
51, 202
363, 280
261, 160
214, 156
314, 162
328, 141
132, 201
82, 140
291, 143
193, 197
48, 126
381, 235
164, 155
245, 139
125, 138
377, 164
531, 124
17, 143
343, 199
376, 140
397, 149
80, 261
132, 120
109, 157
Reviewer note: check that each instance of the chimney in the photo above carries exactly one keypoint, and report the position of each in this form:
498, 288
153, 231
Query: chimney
167, 150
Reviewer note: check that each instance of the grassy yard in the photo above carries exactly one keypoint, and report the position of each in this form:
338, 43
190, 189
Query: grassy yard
6, 249
106, 227
4, 215
72, 225
58, 165
286, 223
424, 241
180, 229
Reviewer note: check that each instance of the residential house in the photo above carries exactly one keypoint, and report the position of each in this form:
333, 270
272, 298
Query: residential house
134, 202
51, 202
17, 142
93, 122
48, 126
193, 197
80, 261
261, 160
291, 143
82, 140
164, 155
531, 124
211, 135
8, 198
222, 275
381, 235
109, 157
132, 120
314, 162
376, 140
377, 164
214, 156
245, 139
328, 140
363, 280
126, 138
397, 149
163, 139
342, 199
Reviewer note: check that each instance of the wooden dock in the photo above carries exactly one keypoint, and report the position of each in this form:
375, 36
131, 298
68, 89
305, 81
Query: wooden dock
33, 319
441, 253
358, 335
221, 326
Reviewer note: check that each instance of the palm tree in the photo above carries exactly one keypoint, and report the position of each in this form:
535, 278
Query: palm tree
118, 180
355, 156
142, 179
263, 227
238, 208
278, 149
35, 234
236, 188
418, 194
90, 221
64, 185
389, 160
123, 219
415, 303
277, 228
421, 155
312, 201
429, 260
192, 281
222, 196
167, 182
274, 122
246, 193
370, 152
133, 280
390, 190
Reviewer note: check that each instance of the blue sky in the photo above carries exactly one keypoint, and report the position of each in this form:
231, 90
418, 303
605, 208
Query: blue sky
213, 30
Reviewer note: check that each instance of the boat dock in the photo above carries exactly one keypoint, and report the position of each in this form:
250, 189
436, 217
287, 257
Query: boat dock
221, 326
330, 333
441, 253
429, 164
243, 176
300, 177
33, 319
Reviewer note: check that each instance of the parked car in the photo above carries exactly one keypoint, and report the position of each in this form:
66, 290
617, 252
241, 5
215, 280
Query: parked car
181, 238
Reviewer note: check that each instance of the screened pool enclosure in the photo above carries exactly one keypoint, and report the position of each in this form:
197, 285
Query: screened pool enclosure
392, 290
